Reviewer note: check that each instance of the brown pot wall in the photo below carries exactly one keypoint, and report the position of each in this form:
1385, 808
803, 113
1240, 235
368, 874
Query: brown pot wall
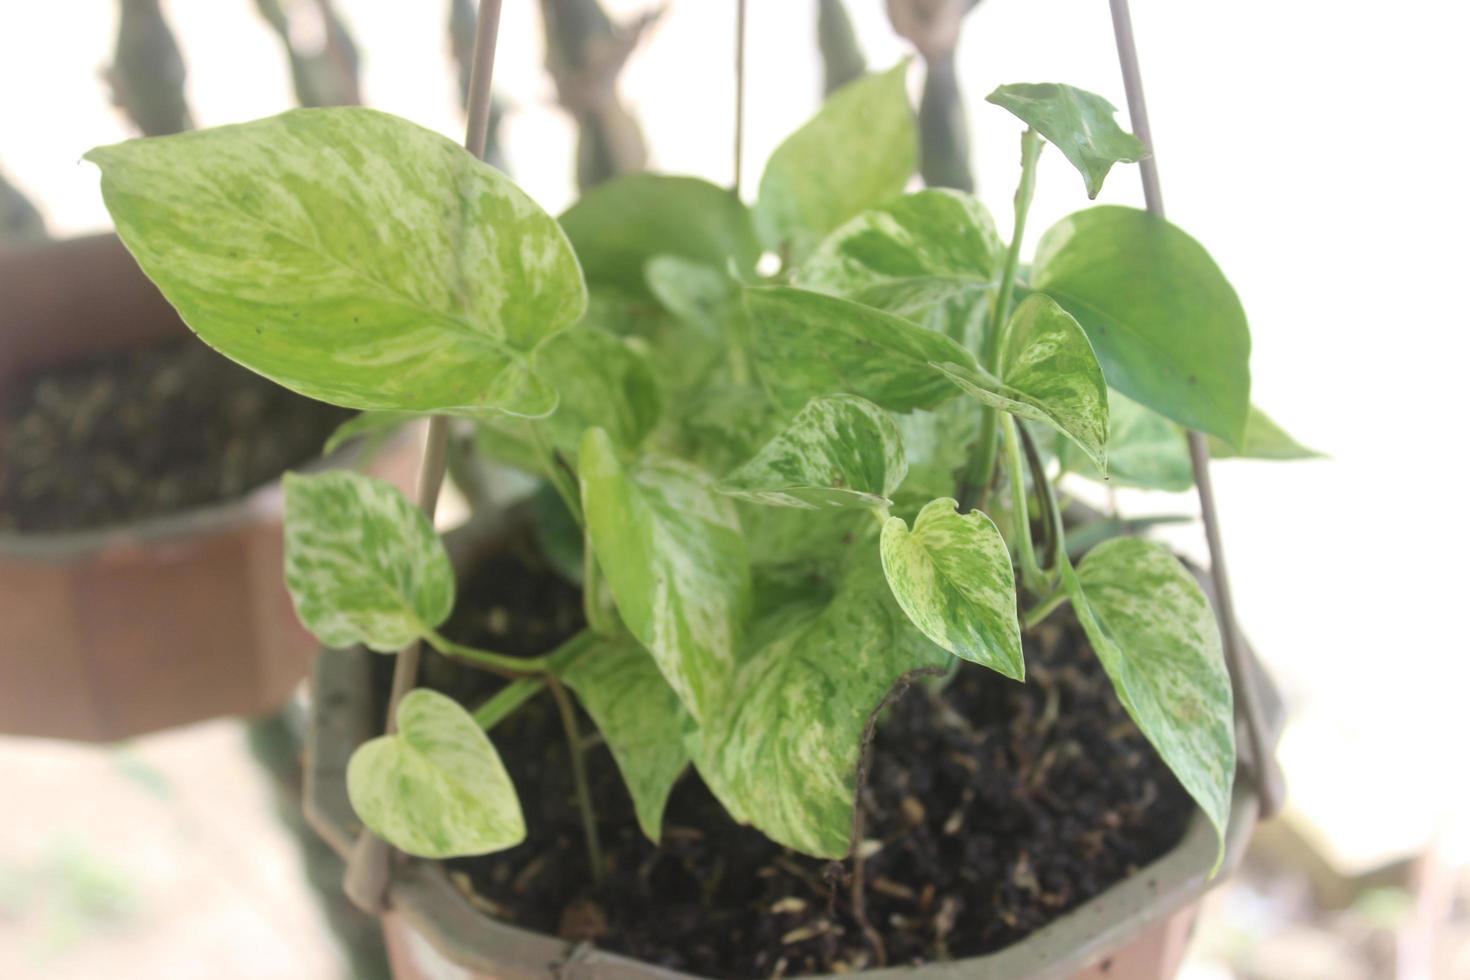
112, 633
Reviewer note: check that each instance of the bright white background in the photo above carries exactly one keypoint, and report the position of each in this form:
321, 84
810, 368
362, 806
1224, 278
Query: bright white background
1316, 148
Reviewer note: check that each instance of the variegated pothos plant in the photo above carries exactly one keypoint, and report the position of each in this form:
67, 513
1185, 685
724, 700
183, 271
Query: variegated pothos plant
791, 489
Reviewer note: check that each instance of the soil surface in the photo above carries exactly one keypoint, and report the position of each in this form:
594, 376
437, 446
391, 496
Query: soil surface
144, 433
991, 808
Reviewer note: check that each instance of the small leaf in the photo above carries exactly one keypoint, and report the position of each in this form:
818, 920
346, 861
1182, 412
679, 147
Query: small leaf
1157, 638
375, 424
839, 451
805, 344
639, 717
782, 753
952, 577
1263, 439
618, 226
1165, 324
1048, 373
671, 547
351, 256
857, 152
363, 564
1144, 450
436, 788
698, 294
1078, 123
605, 381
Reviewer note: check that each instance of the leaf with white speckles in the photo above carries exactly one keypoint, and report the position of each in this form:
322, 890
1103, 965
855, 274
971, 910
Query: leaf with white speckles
1077, 122
363, 564
839, 451
674, 556
782, 753
1155, 633
351, 256
1048, 373
639, 717
952, 576
1144, 450
436, 788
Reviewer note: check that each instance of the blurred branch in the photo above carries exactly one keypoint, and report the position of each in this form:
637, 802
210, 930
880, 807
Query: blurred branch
842, 58
585, 52
933, 28
19, 219
324, 60
147, 71
462, 17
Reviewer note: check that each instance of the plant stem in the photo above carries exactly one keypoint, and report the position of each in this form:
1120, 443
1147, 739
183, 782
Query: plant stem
1031, 573
980, 468
556, 474
579, 775
505, 701
739, 93
1043, 609
498, 662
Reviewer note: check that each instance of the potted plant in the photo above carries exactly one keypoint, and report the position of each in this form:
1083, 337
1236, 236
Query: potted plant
772, 504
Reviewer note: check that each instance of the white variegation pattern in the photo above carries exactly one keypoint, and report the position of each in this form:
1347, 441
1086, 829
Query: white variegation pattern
857, 152
1048, 374
640, 719
436, 788
1077, 122
952, 577
782, 752
351, 256
671, 548
363, 564
839, 451
1144, 450
1156, 635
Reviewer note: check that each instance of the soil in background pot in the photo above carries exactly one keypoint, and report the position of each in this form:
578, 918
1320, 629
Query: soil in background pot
992, 808
146, 432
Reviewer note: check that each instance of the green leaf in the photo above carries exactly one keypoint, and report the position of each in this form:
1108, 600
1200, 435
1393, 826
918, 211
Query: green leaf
805, 343
604, 380
855, 153
1263, 439
698, 294
1165, 324
618, 226
1048, 373
640, 719
671, 547
351, 256
839, 451
436, 788
363, 564
782, 754
1157, 638
952, 577
375, 424
1144, 450
1078, 123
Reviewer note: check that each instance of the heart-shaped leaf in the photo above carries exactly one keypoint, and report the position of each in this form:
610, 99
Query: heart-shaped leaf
639, 717
1157, 638
671, 547
855, 153
839, 451
805, 343
952, 577
606, 381
351, 256
1048, 373
436, 788
363, 564
1165, 324
1078, 123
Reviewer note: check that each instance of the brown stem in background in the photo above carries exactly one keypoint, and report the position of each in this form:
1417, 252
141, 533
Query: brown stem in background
739, 94
147, 72
462, 48
20, 221
576, 750
323, 77
842, 57
933, 28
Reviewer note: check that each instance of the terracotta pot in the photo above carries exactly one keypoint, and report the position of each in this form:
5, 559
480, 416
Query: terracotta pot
1136, 930
110, 633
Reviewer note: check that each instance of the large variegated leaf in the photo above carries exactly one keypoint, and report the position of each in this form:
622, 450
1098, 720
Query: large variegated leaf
436, 788
855, 153
1157, 638
351, 256
805, 343
363, 564
1048, 373
952, 577
1078, 123
639, 717
839, 451
782, 753
671, 548
617, 227
605, 381
1165, 324
1263, 439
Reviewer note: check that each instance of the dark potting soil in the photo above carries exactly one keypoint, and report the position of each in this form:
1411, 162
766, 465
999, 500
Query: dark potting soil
146, 432
991, 808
